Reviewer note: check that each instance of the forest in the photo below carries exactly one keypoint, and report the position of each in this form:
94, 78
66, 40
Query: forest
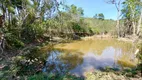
50, 40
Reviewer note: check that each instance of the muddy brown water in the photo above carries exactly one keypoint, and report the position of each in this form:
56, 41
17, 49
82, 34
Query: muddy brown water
79, 57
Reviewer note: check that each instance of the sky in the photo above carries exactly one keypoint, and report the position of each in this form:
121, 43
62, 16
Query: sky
92, 7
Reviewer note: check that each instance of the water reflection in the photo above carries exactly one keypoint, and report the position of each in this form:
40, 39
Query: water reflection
92, 61
79, 57
54, 65
73, 58
62, 61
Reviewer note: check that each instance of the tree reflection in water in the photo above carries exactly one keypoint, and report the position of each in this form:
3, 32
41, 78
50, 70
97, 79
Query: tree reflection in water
60, 62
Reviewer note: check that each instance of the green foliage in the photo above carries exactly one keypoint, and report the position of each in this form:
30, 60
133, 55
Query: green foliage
43, 76
12, 36
11, 9
100, 26
37, 77
33, 31
99, 16
139, 55
131, 13
77, 28
13, 42
96, 30
31, 61
31, 22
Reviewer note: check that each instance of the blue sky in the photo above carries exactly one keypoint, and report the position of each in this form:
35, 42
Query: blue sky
92, 7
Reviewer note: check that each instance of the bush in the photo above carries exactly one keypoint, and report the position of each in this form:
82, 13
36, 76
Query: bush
44, 76
32, 32
13, 42
139, 55
31, 61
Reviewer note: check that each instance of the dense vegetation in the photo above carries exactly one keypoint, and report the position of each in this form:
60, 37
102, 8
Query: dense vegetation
99, 26
26, 26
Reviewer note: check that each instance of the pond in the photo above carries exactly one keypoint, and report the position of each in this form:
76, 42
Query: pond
82, 56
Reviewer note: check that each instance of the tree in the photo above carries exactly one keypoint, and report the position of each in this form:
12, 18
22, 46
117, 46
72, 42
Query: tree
132, 13
75, 12
140, 19
132, 6
117, 4
101, 16
21, 19
80, 11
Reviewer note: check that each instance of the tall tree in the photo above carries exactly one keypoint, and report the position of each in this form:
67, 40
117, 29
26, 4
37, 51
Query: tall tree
117, 4
140, 19
133, 13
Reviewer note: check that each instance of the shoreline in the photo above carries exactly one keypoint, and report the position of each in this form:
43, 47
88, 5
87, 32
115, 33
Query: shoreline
126, 39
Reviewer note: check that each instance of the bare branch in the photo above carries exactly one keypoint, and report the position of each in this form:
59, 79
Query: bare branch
111, 2
116, 7
117, 4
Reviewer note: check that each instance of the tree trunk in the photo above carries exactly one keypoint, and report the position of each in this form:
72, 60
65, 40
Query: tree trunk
134, 28
118, 16
139, 23
9, 17
133, 21
117, 24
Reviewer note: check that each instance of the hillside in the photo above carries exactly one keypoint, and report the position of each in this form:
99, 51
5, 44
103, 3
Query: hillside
100, 26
